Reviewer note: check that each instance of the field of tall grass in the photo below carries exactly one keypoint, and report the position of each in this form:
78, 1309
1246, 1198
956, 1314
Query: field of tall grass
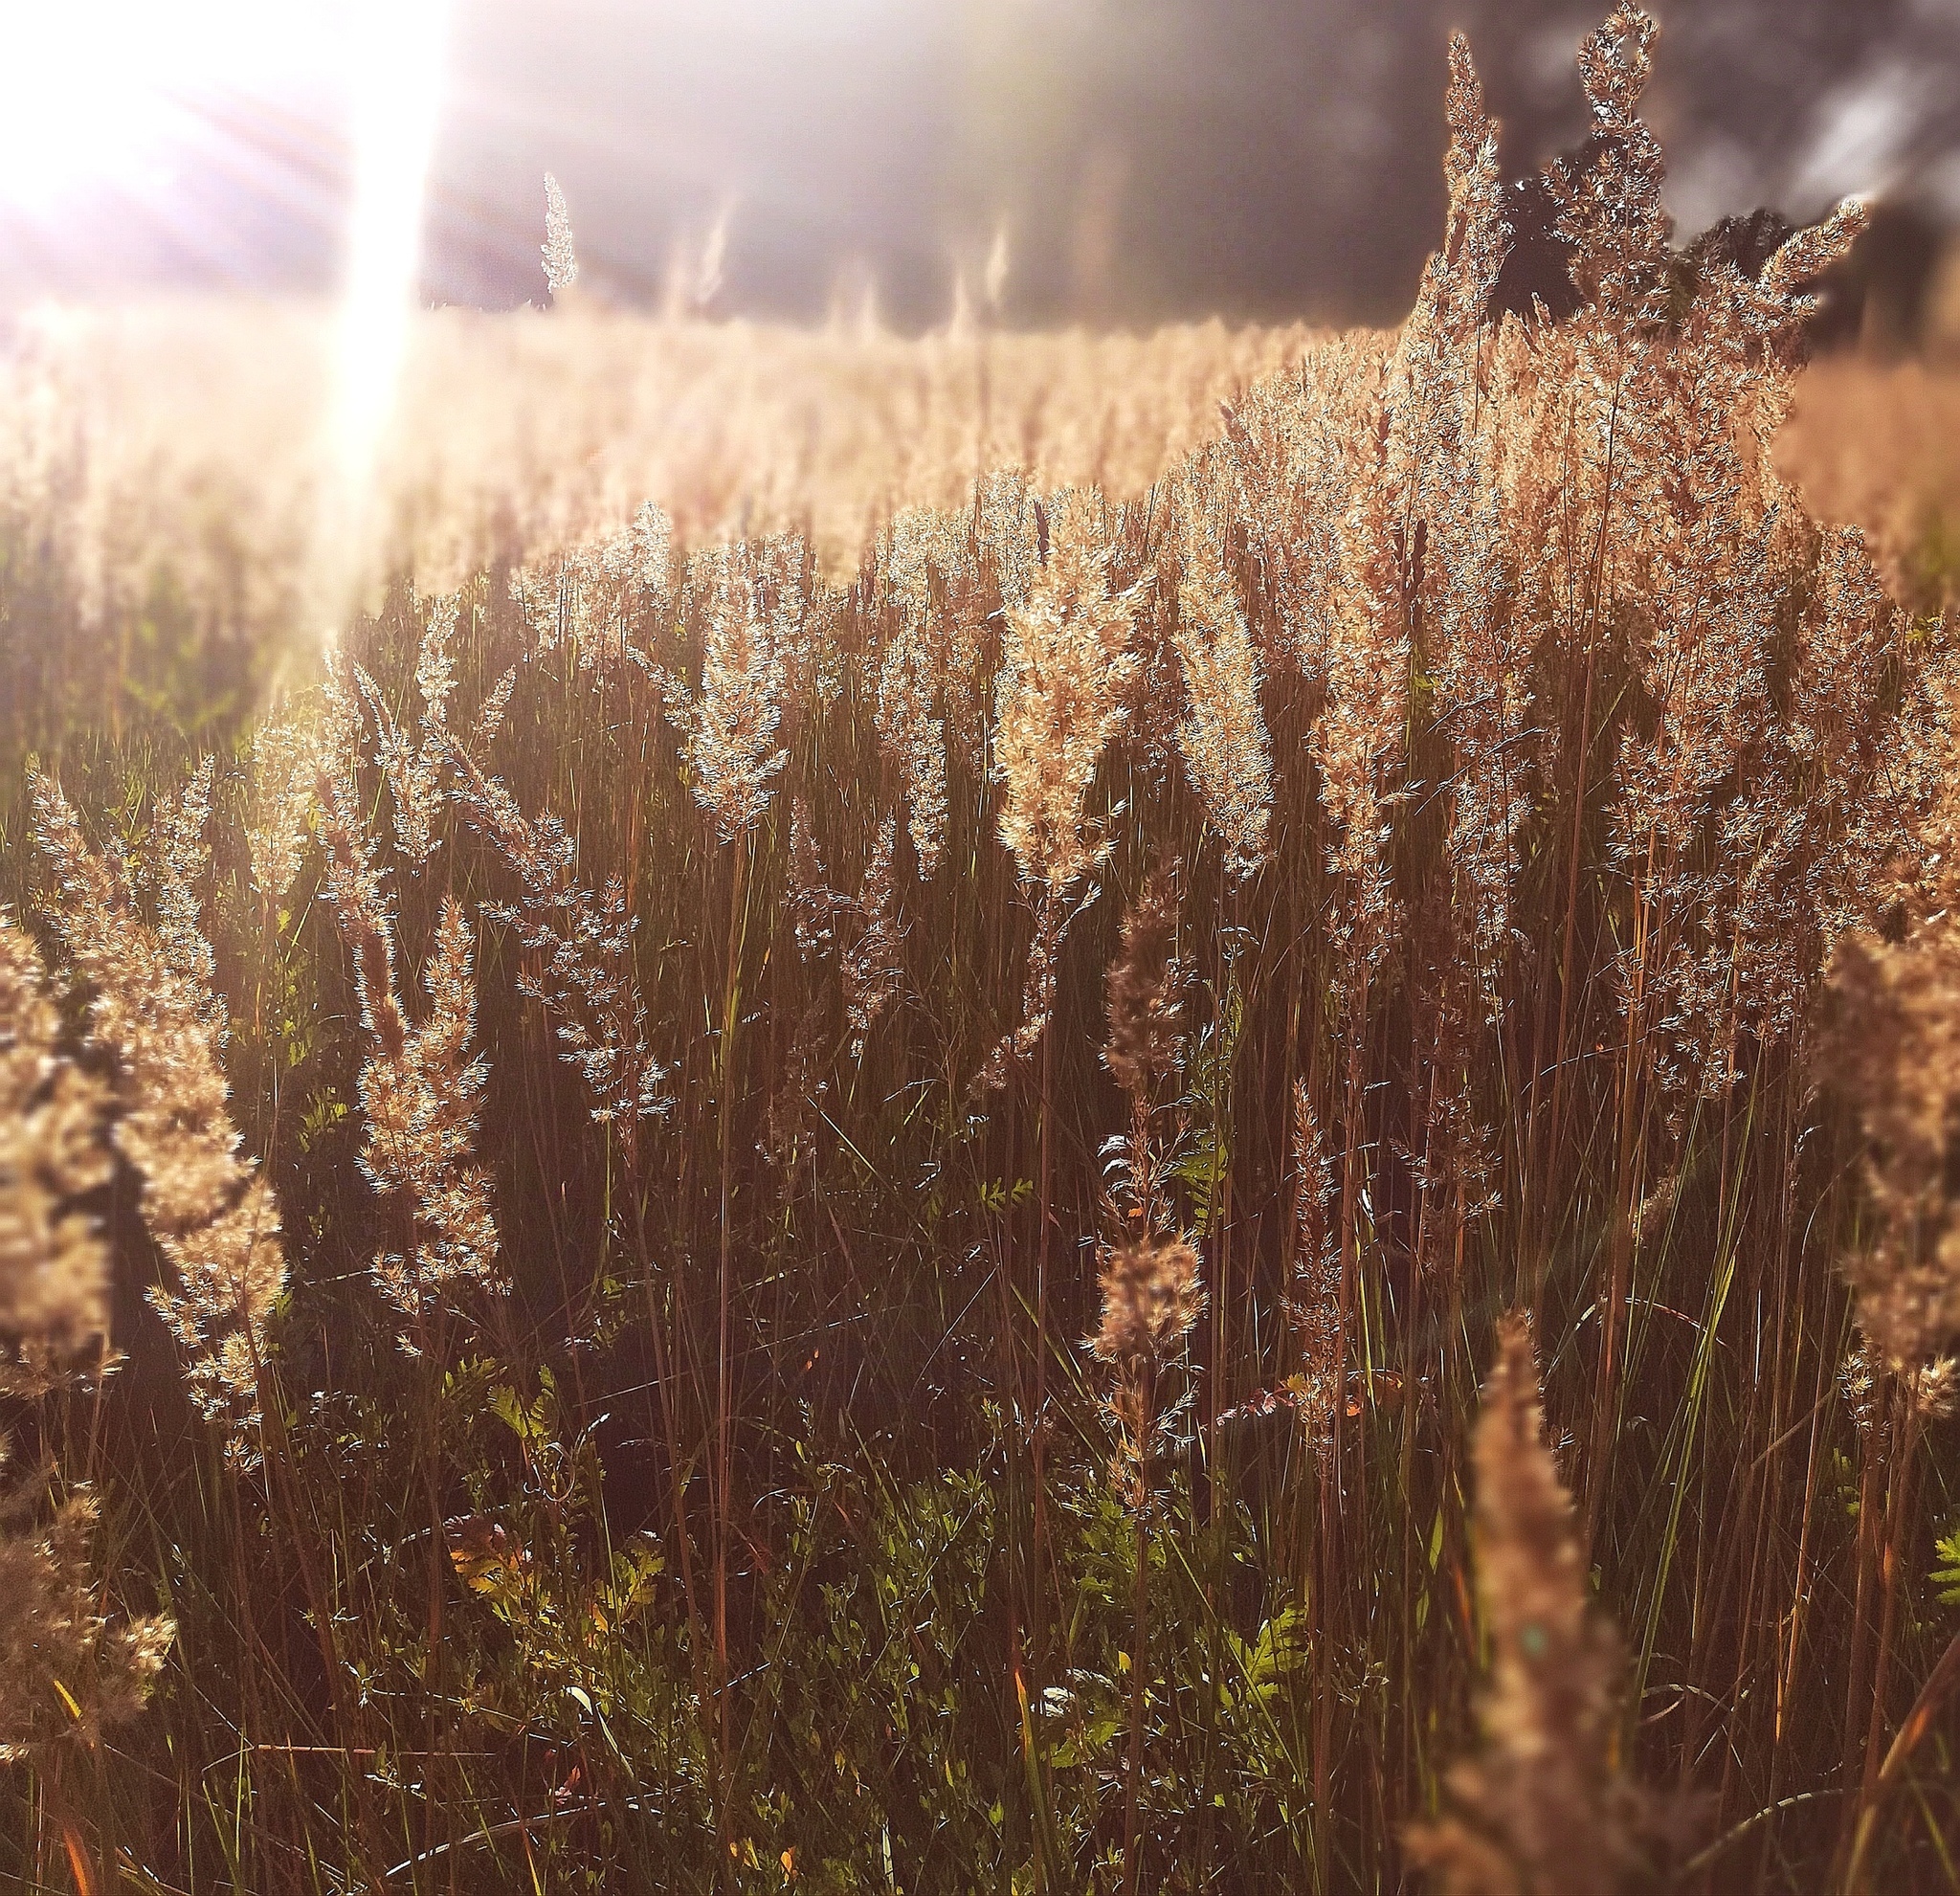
1166, 1114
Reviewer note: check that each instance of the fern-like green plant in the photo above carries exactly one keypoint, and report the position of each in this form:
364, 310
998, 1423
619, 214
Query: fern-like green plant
1946, 1574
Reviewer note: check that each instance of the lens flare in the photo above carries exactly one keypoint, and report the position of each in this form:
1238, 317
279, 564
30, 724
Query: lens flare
104, 93
398, 55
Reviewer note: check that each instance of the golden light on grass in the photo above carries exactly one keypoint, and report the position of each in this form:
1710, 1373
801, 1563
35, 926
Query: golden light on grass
793, 1012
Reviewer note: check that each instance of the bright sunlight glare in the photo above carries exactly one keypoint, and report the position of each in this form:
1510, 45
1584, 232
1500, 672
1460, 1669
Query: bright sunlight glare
397, 80
396, 50
97, 93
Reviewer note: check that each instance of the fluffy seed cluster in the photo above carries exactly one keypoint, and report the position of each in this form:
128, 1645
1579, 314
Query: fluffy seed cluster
1222, 736
422, 1100
1144, 993
420, 1090
65, 1671
1151, 1298
1895, 1051
415, 769
730, 724
54, 1151
212, 1212
1066, 667
872, 970
585, 982
285, 766
69, 1670
561, 258
1541, 1810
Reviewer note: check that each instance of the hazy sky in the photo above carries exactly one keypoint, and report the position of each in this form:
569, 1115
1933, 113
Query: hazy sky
1148, 158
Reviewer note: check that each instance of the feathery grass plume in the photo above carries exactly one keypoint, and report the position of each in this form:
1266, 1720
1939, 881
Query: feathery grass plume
1143, 995
1541, 1808
422, 1104
285, 767
1067, 663
53, 1150
644, 552
813, 906
913, 740
420, 1090
69, 1672
178, 859
353, 882
1314, 1298
1358, 742
927, 676
812, 901
1013, 1050
1477, 646
1151, 1299
561, 259
1710, 820
213, 1215
1851, 774
1894, 1048
872, 970
1609, 210
584, 940
1222, 735
730, 724
414, 771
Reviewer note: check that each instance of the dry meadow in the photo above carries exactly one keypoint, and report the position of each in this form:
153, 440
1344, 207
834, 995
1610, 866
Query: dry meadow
1034, 1114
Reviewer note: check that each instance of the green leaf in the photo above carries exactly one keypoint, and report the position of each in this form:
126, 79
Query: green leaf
1946, 1569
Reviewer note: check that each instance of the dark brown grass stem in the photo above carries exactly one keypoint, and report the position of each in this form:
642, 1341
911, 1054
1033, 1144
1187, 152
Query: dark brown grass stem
725, 1355
1940, 1685
283, 1485
1139, 1668
1038, 1422
1864, 1562
1560, 1055
1906, 1432
1616, 1281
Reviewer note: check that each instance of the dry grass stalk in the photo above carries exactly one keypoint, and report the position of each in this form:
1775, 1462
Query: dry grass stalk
1066, 667
65, 1671
1541, 1809
872, 969
422, 1105
1314, 1299
1222, 736
212, 1214
1143, 994
730, 724
922, 668
1895, 1051
414, 770
420, 1090
69, 1671
54, 1151
561, 258
1151, 1296
285, 767
585, 980
914, 740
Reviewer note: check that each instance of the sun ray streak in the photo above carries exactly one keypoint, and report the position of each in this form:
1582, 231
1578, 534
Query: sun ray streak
398, 60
